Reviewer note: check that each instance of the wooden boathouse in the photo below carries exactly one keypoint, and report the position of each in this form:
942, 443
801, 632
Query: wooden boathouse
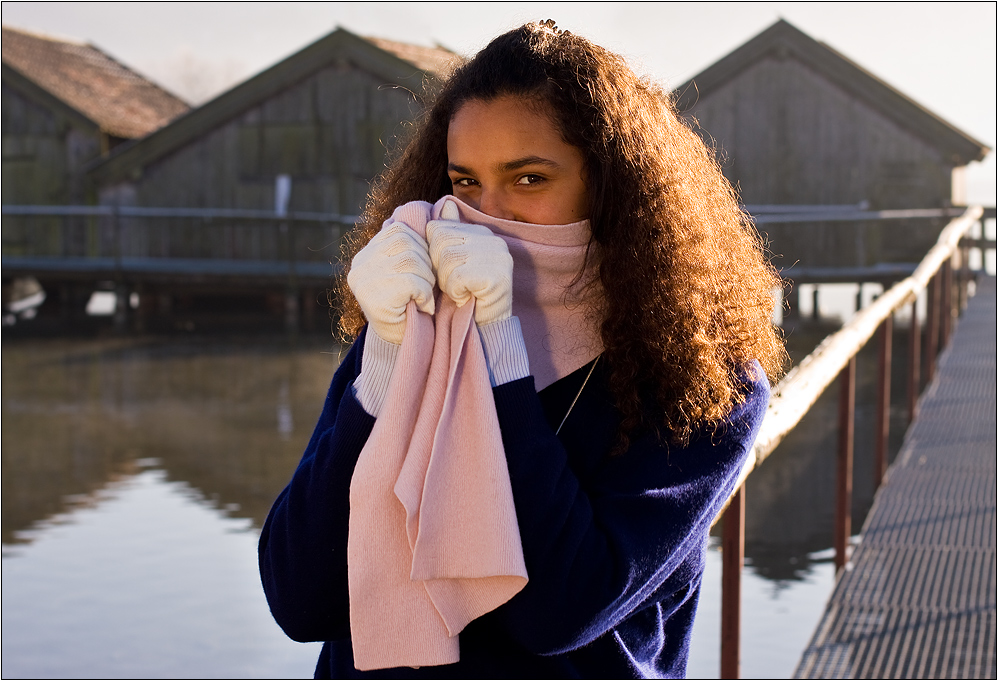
237, 206
65, 105
799, 124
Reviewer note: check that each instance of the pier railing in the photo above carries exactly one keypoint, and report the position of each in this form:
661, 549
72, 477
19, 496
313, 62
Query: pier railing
110, 238
835, 358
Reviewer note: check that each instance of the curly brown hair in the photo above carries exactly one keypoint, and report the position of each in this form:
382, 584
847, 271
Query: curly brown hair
688, 291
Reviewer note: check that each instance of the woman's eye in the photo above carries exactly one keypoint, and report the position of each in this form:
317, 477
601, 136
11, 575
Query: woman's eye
463, 182
530, 179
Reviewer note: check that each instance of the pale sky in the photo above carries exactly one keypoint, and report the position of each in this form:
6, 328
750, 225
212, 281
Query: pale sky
942, 55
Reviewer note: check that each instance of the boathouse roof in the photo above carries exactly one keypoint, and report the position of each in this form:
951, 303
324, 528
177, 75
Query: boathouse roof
783, 41
437, 60
397, 64
92, 84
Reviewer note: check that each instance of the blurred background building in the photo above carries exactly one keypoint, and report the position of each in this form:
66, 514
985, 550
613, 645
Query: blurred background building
797, 123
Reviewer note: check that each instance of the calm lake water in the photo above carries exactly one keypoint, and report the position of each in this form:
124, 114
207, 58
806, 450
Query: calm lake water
137, 473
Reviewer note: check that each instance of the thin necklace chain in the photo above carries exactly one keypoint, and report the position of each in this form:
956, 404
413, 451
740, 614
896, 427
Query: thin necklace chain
578, 394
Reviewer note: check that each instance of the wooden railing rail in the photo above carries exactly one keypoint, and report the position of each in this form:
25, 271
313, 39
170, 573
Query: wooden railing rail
847, 214
83, 238
800, 388
155, 212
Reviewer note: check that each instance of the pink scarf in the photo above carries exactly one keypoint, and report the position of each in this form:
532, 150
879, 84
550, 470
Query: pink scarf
433, 537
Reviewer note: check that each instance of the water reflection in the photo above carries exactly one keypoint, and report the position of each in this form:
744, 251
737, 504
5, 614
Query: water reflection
136, 474
143, 581
778, 618
231, 419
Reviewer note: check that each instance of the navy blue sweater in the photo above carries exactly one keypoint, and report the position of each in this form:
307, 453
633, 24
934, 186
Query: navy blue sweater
614, 546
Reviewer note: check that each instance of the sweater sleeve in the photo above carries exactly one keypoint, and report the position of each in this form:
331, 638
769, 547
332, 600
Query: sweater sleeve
505, 351
302, 548
599, 542
377, 362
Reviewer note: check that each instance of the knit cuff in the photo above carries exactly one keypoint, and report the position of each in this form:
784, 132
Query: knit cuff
505, 351
377, 363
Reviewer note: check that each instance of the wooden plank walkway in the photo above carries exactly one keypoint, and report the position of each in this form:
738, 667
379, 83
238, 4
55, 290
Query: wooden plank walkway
919, 600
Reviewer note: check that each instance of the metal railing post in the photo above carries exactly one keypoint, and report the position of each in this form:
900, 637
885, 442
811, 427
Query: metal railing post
914, 362
964, 278
843, 495
883, 401
732, 559
932, 327
947, 307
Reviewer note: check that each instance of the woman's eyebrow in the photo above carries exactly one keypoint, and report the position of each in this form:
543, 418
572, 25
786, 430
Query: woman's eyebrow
526, 161
508, 166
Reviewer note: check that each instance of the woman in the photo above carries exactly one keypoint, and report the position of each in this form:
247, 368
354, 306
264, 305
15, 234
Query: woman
624, 423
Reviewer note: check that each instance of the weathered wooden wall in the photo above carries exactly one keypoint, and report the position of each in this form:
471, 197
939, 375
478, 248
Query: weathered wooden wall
788, 136
44, 151
329, 132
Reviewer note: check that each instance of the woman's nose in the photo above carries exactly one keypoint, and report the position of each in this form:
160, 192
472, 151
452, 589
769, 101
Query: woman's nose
495, 203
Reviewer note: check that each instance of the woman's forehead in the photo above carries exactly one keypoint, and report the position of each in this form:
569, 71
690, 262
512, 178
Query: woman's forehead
505, 124
515, 106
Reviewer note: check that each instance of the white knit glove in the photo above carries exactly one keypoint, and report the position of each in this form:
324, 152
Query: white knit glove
471, 262
392, 269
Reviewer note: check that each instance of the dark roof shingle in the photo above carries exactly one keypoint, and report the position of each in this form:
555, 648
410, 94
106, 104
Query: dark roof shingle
120, 101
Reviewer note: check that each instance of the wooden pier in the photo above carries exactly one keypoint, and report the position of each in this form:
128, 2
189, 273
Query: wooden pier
918, 598
184, 268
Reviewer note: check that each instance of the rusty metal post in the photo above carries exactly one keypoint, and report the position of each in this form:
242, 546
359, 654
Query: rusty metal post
732, 559
843, 495
946, 309
964, 277
914, 362
932, 328
883, 401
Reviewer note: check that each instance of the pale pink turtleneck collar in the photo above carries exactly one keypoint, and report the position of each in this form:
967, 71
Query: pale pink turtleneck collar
558, 314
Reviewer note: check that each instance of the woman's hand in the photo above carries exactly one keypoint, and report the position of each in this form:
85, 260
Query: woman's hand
471, 262
392, 269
